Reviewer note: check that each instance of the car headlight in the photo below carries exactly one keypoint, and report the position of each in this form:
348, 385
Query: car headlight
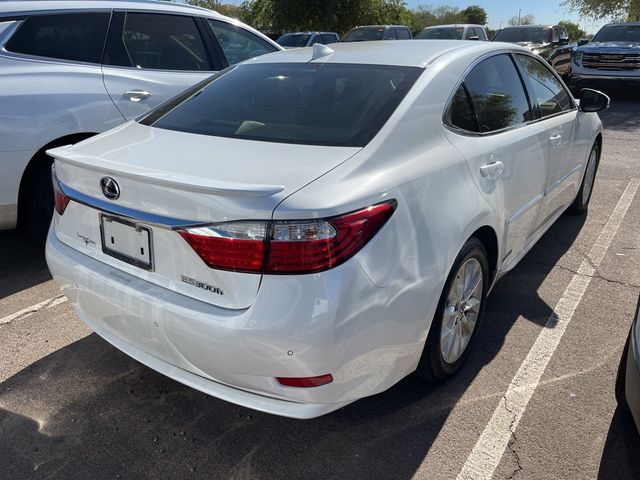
577, 58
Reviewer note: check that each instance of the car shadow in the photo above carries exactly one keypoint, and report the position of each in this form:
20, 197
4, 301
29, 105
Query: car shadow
624, 111
89, 411
621, 455
22, 263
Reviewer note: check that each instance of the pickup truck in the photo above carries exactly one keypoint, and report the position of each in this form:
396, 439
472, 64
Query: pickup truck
612, 58
551, 42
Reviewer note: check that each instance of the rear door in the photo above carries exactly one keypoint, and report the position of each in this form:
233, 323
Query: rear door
151, 57
558, 113
491, 120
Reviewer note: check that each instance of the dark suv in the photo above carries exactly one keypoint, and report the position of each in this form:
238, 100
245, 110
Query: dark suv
611, 58
550, 42
377, 32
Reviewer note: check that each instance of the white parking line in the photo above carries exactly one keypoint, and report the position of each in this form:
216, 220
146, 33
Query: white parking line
26, 312
488, 451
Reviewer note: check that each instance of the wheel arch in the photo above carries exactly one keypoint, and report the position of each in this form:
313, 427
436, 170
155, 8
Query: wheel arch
489, 239
40, 156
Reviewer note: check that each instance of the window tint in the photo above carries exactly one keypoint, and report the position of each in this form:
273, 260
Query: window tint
544, 87
329, 38
555, 36
363, 34
306, 103
618, 33
403, 34
460, 113
293, 40
77, 37
163, 42
497, 94
237, 43
523, 34
480, 34
444, 33
563, 34
391, 34
470, 33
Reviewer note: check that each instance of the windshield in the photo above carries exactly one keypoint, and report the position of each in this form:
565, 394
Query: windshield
294, 40
364, 34
514, 35
618, 33
450, 33
315, 104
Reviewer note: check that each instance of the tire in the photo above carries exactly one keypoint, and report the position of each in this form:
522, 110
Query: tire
581, 203
442, 357
621, 377
36, 200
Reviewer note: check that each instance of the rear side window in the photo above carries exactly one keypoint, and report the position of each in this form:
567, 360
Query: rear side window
164, 42
76, 37
460, 112
238, 44
315, 104
470, 33
480, 34
544, 87
497, 94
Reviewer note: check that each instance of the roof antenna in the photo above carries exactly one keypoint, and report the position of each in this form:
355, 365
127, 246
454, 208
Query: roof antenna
320, 50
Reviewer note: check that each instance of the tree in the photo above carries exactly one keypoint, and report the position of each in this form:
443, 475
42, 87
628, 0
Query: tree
527, 19
601, 9
573, 29
474, 14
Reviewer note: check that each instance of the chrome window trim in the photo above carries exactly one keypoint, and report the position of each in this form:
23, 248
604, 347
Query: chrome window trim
461, 131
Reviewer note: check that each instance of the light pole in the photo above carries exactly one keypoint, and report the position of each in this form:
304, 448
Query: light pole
519, 12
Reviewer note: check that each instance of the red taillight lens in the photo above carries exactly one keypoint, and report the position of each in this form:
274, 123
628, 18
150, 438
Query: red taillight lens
295, 247
238, 246
308, 255
305, 382
60, 200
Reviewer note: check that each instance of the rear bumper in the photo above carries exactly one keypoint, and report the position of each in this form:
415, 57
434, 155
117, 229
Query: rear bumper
294, 329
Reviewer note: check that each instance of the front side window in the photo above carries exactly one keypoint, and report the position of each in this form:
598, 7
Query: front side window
314, 104
76, 37
329, 38
480, 34
238, 44
497, 94
164, 42
547, 91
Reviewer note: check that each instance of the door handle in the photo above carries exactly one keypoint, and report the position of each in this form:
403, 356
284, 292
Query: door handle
492, 171
136, 95
555, 140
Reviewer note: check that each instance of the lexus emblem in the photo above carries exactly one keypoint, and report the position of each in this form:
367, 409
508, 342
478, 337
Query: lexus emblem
110, 188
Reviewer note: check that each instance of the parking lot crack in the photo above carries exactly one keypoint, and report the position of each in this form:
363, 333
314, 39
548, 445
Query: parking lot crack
596, 276
511, 445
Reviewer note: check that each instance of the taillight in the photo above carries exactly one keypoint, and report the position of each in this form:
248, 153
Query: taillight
287, 247
60, 200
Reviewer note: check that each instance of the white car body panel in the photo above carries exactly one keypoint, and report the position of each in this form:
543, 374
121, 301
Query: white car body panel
44, 99
365, 321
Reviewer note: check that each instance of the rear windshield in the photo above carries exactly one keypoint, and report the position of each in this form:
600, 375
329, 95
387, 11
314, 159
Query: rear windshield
451, 33
513, 35
315, 104
294, 40
618, 33
364, 34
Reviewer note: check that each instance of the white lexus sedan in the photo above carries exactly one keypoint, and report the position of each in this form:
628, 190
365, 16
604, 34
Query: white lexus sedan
311, 226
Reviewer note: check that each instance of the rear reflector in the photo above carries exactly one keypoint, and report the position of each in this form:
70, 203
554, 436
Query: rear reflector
287, 247
305, 382
60, 200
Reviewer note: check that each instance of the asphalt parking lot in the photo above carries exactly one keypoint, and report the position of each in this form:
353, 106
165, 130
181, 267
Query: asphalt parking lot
74, 407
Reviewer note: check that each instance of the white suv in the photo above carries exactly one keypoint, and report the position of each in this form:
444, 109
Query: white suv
69, 70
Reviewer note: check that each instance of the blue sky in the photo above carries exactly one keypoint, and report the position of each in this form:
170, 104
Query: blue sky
545, 11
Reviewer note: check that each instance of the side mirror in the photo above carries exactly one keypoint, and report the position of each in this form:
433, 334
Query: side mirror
582, 41
593, 100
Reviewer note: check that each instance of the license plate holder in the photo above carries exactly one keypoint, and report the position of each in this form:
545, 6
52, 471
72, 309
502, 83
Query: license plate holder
126, 241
